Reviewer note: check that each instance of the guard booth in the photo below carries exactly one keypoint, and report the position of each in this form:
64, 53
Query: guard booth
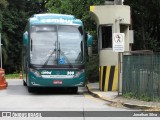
110, 18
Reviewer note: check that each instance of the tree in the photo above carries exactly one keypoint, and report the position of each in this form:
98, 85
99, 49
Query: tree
146, 23
14, 20
78, 8
35, 6
3, 6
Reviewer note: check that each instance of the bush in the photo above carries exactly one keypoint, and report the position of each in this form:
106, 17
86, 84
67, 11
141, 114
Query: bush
92, 69
131, 95
12, 76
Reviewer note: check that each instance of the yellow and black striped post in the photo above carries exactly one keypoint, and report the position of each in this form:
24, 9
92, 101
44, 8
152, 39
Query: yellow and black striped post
108, 78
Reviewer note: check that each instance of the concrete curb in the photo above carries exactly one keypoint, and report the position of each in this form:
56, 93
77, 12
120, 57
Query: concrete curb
133, 106
97, 95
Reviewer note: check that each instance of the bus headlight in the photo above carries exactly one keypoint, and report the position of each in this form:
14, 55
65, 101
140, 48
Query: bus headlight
35, 72
79, 73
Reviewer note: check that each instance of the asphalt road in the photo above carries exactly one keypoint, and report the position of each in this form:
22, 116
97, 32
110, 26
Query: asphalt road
17, 98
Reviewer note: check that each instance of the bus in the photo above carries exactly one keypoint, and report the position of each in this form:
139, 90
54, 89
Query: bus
54, 52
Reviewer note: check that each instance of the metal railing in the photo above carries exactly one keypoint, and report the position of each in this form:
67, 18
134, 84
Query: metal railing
141, 74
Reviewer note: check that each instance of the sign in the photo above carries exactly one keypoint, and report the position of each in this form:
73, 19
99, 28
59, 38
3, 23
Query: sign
58, 21
118, 42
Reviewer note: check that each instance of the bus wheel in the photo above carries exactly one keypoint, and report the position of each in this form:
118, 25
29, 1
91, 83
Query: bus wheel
30, 89
24, 83
74, 90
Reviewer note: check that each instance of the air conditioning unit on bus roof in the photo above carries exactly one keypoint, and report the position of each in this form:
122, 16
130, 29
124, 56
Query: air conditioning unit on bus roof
53, 16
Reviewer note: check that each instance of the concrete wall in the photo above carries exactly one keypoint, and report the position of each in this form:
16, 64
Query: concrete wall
108, 58
107, 14
118, 16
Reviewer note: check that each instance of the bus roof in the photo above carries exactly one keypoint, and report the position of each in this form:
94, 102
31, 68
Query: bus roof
50, 18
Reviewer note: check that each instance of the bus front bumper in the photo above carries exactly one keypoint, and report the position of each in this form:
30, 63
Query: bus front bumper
44, 82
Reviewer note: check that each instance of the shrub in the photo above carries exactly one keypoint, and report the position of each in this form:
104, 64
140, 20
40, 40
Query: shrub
92, 69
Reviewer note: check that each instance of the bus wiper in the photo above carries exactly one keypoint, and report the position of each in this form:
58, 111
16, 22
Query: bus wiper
62, 53
50, 56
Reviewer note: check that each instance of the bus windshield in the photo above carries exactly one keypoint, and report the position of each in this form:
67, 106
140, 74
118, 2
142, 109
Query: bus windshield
56, 45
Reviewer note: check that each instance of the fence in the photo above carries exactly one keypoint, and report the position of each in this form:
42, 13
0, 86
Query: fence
141, 75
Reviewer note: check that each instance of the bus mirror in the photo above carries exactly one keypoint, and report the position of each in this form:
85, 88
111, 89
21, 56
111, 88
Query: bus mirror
25, 38
89, 40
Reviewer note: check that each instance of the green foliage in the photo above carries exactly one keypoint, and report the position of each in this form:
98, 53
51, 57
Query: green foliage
13, 25
92, 69
131, 95
3, 4
157, 99
13, 18
35, 6
79, 8
146, 23
12, 76
144, 98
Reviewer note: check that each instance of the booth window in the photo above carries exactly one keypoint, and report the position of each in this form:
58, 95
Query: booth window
106, 36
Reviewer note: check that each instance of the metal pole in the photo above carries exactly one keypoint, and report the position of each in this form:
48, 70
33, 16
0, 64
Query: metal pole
0, 50
117, 29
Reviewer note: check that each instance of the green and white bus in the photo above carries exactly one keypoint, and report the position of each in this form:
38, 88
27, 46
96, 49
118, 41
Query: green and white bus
54, 52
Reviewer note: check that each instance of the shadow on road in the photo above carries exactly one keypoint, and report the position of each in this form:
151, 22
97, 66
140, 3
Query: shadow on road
55, 91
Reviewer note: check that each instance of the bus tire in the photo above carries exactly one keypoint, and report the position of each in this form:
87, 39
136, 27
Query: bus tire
24, 83
30, 89
74, 90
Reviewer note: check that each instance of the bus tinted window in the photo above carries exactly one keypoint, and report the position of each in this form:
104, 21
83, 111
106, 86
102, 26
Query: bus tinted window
56, 45
43, 43
70, 40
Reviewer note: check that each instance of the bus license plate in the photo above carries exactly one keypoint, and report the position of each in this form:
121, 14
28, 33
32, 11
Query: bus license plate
57, 82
